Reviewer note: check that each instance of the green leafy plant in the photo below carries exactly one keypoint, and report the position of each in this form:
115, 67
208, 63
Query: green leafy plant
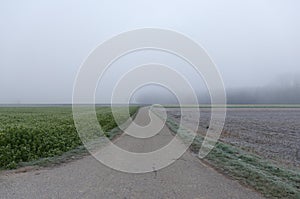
27, 134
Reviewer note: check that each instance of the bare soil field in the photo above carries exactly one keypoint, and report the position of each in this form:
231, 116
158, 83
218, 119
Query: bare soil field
273, 133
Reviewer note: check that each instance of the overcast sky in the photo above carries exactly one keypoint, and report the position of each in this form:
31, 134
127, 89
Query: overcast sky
43, 43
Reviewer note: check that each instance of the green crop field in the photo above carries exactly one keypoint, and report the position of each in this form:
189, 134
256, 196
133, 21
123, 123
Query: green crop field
30, 133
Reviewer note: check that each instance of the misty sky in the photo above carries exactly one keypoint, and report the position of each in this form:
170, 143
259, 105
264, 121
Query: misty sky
43, 43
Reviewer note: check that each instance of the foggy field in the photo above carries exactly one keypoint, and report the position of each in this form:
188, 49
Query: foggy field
30, 133
259, 147
273, 133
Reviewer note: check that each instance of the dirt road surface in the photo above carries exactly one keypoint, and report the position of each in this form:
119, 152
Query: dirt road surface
187, 177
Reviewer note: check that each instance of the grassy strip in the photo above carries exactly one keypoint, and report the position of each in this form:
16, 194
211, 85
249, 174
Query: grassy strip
68, 156
41, 135
271, 180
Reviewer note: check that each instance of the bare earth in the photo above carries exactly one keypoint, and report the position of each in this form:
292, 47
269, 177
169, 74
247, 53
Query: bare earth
187, 178
272, 133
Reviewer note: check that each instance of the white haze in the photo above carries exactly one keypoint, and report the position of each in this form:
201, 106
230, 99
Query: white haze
254, 43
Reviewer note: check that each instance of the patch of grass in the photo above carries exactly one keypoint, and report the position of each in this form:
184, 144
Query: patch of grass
29, 134
273, 181
68, 156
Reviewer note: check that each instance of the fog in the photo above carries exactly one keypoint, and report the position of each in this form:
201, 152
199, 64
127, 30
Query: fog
284, 90
255, 45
